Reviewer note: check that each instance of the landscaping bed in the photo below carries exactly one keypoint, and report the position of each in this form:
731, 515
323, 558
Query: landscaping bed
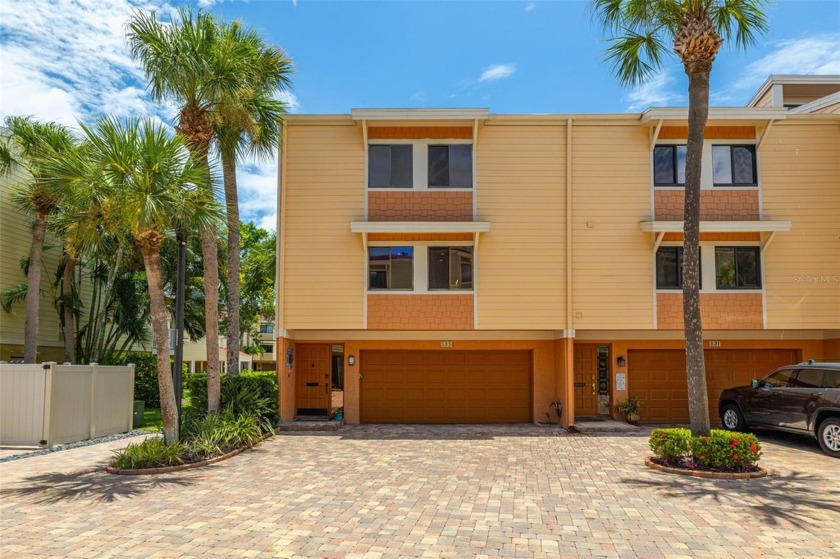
722, 454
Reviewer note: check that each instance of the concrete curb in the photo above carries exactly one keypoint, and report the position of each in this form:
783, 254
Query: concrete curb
709, 475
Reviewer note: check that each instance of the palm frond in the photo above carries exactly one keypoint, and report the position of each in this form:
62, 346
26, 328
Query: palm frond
741, 21
635, 57
13, 295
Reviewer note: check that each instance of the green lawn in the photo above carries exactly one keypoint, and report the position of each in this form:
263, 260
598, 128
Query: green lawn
151, 416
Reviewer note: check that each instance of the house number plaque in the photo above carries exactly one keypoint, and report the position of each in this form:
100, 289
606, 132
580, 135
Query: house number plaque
445, 344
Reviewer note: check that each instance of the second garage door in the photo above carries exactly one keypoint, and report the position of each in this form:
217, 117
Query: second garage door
657, 378
445, 386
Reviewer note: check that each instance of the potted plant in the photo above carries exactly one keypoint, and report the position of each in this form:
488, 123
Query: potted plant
630, 410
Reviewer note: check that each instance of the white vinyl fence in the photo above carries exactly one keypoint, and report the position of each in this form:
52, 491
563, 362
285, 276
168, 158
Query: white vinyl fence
55, 404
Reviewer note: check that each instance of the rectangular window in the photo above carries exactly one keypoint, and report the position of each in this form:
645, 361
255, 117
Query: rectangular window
266, 328
450, 166
669, 165
669, 272
737, 268
268, 348
733, 165
391, 268
450, 268
390, 166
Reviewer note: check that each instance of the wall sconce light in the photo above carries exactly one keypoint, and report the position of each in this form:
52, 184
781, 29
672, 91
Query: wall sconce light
621, 361
351, 360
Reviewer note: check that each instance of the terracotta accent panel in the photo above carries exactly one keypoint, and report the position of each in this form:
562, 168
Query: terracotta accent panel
715, 205
420, 312
420, 236
712, 133
716, 237
720, 311
412, 205
420, 132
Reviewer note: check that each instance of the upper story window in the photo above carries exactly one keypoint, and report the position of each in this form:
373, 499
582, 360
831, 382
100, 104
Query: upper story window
450, 268
267, 348
266, 328
450, 166
391, 268
669, 268
390, 166
737, 268
734, 165
669, 165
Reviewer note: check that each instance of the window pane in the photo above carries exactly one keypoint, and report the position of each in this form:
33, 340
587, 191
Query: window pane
460, 165
780, 379
379, 264
681, 151
667, 268
438, 165
438, 268
663, 165
747, 267
722, 164
460, 268
725, 267
742, 165
402, 269
809, 378
832, 378
379, 166
401, 166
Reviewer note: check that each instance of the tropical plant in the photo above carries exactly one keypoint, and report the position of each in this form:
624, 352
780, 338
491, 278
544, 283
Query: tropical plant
695, 29
149, 185
23, 154
151, 453
247, 124
259, 262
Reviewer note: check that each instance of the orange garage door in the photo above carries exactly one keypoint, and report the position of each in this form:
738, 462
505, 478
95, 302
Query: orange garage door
445, 386
657, 378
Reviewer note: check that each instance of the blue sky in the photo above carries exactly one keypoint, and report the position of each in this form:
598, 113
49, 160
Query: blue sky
66, 60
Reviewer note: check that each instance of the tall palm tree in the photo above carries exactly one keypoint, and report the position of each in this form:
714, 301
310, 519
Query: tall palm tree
149, 185
184, 65
29, 146
695, 29
248, 123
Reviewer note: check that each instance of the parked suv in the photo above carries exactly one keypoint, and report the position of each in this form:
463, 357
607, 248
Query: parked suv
802, 398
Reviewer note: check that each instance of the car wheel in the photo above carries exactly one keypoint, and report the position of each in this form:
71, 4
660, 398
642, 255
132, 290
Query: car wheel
829, 436
732, 419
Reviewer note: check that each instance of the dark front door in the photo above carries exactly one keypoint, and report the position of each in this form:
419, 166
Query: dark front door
312, 387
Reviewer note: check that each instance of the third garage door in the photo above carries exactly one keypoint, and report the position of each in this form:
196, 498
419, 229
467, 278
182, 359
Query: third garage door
657, 378
409, 386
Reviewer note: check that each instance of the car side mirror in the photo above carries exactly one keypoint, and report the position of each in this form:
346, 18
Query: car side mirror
755, 383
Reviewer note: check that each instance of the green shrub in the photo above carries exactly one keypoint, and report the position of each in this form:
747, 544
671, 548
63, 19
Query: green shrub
251, 392
145, 376
726, 450
672, 445
151, 453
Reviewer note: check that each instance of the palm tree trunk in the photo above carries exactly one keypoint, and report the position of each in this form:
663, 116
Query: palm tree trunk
69, 311
229, 172
33, 289
160, 327
210, 253
698, 114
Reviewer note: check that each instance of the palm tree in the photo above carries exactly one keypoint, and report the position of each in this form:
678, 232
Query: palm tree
248, 123
29, 146
149, 185
184, 65
696, 29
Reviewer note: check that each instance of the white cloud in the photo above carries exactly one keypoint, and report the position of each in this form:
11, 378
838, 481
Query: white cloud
530, 6
496, 72
290, 100
257, 185
657, 91
819, 54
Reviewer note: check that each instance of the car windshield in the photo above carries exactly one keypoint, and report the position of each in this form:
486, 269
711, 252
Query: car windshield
779, 379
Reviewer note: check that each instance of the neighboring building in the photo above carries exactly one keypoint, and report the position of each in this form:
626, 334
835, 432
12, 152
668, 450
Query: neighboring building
474, 267
267, 360
195, 354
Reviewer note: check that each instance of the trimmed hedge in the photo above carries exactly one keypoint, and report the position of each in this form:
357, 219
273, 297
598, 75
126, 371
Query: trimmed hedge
249, 392
145, 376
724, 451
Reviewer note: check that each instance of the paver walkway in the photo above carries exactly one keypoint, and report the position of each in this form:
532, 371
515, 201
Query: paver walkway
412, 491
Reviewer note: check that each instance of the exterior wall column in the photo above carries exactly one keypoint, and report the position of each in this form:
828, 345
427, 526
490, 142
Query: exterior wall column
286, 380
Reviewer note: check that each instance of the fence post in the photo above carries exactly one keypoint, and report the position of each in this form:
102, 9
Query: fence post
131, 397
94, 370
48, 391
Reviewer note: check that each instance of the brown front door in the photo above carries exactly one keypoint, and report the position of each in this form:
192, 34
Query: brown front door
586, 380
312, 386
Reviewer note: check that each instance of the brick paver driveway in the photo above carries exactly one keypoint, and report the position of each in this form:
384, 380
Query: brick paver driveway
411, 491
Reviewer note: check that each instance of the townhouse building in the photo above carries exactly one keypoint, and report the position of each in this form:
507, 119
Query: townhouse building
461, 266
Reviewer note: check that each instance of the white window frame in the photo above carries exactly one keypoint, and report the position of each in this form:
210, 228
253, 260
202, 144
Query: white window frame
708, 269
421, 268
419, 164
707, 172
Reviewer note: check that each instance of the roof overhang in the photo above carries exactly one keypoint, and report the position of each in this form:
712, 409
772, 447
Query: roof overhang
418, 114
717, 226
792, 79
732, 115
419, 226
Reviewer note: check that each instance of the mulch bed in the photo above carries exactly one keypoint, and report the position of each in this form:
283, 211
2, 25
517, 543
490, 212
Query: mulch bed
177, 467
694, 470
